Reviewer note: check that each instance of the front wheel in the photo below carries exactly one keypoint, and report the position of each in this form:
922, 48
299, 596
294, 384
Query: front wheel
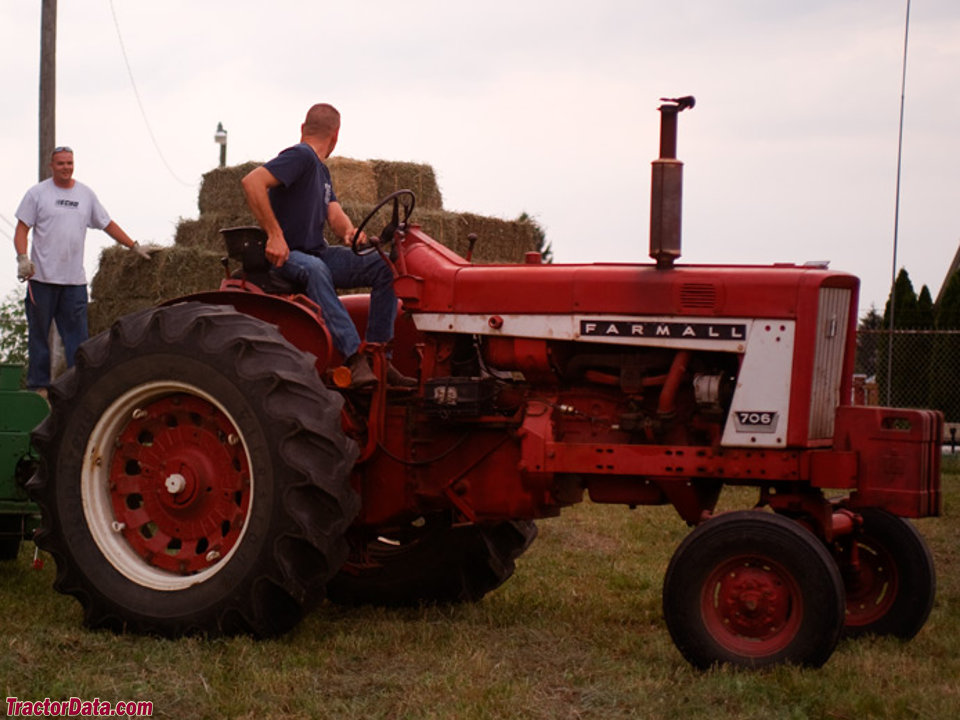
193, 476
753, 589
891, 582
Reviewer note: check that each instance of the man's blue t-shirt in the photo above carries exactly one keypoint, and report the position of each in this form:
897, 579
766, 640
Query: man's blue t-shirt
300, 200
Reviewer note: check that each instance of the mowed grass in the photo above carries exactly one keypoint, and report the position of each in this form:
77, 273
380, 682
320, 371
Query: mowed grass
576, 633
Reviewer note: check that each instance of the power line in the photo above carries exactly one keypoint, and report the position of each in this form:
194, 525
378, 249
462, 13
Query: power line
136, 93
896, 212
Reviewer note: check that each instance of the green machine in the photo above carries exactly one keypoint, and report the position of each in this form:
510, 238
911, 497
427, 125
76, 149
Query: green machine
20, 412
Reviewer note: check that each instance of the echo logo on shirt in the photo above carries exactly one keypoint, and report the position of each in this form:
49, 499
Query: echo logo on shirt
68, 203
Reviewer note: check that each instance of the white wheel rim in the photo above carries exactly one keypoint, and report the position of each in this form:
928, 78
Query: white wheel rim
97, 501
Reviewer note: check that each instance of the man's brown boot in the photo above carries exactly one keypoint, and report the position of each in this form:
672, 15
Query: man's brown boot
395, 378
360, 373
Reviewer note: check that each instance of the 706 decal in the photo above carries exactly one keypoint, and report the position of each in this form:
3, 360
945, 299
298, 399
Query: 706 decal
756, 421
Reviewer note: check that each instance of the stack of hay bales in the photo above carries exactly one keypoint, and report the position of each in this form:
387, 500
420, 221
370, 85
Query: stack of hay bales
125, 283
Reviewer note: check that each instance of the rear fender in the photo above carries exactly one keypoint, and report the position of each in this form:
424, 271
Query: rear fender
298, 318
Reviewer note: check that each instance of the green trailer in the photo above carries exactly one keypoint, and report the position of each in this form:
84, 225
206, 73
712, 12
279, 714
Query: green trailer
20, 412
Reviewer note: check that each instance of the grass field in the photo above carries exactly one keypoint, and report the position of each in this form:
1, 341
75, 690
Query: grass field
576, 633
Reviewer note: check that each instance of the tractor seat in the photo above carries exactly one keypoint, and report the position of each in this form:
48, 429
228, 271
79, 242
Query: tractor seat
247, 244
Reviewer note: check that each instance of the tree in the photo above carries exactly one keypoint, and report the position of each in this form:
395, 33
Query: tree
905, 307
868, 342
921, 349
925, 310
13, 329
908, 379
944, 388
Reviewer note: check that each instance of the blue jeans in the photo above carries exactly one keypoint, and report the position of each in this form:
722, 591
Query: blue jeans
46, 302
339, 267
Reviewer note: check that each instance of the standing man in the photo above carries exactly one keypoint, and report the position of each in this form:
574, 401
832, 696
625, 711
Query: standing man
59, 209
292, 197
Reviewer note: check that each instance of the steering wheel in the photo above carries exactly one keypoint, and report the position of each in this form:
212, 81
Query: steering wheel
375, 243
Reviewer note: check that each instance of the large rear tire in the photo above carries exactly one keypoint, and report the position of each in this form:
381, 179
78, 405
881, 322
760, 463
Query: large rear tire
193, 476
433, 564
753, 589
893, 588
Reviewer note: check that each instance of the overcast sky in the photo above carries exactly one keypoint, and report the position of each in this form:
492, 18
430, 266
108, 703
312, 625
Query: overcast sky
539, 106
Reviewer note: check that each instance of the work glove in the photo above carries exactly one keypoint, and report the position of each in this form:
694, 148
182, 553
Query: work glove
25, 267
140, 250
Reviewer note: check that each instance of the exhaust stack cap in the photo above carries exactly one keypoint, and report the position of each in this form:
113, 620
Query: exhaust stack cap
666, 187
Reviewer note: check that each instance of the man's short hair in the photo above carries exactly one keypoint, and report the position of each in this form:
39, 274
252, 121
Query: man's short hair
322, 120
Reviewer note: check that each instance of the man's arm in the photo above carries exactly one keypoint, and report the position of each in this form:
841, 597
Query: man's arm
25, 267
342, 225
118, 234
256, 185
20, 237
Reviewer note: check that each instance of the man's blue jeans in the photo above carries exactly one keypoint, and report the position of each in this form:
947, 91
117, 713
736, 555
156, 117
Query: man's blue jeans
339, 267
46, 302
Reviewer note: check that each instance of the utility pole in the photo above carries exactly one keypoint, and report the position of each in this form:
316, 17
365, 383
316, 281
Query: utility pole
48, 85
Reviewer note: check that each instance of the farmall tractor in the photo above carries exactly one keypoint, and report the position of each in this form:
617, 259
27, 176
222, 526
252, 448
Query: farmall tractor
207, 469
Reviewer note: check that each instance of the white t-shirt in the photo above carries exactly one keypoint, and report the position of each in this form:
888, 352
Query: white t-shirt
60, 218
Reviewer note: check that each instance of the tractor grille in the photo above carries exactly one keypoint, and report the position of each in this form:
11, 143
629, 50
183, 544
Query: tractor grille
828, 360
698, 295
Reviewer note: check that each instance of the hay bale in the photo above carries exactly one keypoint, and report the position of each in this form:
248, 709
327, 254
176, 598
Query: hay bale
220, 190
204, 232
420, 178
356, 181
171, 272
101, 314
189, 270
122, 274
353, 180
498, 241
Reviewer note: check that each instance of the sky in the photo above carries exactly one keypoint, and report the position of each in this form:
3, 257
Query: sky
547, 107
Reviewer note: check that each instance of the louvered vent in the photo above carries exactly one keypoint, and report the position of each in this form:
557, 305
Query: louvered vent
698, 296
828, 360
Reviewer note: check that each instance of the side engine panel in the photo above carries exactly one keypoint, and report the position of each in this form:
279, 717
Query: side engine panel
739, 368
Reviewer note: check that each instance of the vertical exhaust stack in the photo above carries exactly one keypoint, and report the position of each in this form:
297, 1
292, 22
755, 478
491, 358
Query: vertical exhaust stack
666, 187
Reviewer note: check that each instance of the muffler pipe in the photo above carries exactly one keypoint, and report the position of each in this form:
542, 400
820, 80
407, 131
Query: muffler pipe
666, 187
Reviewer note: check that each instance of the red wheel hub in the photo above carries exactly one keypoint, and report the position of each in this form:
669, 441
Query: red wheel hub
180, 483
752, 606
872, 587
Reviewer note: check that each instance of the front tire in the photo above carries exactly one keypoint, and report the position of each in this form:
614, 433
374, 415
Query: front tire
892, 590
753, 589
193, 476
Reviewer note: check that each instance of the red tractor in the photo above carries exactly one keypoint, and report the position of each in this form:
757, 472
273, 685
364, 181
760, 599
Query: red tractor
206, 468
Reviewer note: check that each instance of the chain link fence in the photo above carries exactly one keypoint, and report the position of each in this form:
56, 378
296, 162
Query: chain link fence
910, 369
